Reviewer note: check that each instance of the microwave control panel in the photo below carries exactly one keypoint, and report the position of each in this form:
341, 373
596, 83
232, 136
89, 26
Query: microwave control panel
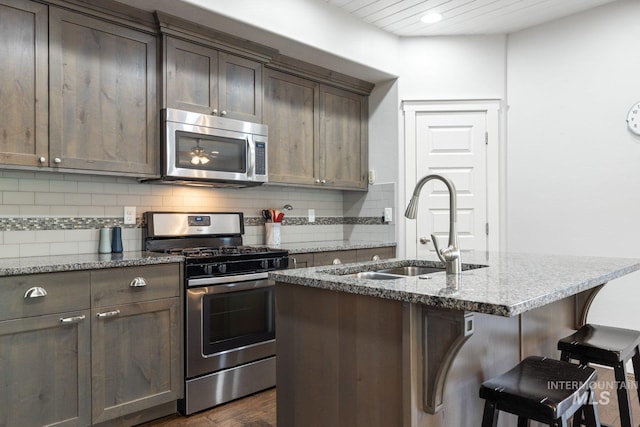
261, 158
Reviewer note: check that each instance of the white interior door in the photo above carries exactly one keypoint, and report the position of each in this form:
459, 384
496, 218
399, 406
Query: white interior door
452, 144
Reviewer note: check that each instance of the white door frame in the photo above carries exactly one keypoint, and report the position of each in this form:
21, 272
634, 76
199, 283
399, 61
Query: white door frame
407, 160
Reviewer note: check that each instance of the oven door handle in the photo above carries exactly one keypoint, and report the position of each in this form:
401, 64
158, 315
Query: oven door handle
232, 280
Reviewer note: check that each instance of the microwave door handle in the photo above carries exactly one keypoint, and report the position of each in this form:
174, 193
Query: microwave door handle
251, 158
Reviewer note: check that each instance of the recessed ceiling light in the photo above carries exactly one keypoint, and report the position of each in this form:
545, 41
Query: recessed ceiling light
431, 18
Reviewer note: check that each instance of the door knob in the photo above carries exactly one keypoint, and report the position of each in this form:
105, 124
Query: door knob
424, 240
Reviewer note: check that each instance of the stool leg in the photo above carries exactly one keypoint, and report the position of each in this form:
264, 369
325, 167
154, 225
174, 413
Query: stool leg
490, 416
591, 417
636, 369
564, 356
623, 395
523, 422
578, 420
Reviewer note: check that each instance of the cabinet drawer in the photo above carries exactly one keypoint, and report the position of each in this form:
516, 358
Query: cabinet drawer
327, 258
382, 253
24, 296
300, 260
116, 285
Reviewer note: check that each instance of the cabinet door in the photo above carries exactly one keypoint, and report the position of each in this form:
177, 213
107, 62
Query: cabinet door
240, 83
291, 112
191, 76
45, 371
103, 96
135, 357
343, 135
23, 83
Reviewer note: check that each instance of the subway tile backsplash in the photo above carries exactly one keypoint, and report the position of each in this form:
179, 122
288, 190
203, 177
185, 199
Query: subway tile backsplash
44, 213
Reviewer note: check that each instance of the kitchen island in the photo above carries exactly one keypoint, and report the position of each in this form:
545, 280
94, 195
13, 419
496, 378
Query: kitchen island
413, 350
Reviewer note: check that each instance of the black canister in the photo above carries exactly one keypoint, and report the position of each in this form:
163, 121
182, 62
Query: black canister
116, 240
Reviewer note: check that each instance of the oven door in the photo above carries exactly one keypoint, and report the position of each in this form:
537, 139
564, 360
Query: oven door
229, 324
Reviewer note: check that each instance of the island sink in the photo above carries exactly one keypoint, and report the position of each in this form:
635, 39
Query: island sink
398, 272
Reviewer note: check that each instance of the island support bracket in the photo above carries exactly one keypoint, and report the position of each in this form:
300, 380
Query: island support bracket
444, 333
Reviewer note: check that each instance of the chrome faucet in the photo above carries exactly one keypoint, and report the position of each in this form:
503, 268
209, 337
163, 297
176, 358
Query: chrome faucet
450, 255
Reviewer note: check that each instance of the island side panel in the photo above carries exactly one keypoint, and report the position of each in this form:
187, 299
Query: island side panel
339, 359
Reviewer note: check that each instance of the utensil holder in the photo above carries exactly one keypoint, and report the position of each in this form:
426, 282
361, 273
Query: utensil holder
272, 233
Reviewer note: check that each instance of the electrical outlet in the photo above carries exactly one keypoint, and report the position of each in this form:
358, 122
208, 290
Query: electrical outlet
312, 215
129, 215
388, 214
372, 176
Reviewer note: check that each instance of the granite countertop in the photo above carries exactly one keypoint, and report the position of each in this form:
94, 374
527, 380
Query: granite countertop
512, 283
50, 264
333, 245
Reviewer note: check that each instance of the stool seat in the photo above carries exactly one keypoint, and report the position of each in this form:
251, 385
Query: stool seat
609, 346
541, 389
601, 344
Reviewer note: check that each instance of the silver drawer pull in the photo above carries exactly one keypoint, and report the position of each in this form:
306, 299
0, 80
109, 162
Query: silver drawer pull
73, 319
108, 314
35, 292
336, 261
138, 282
375, 258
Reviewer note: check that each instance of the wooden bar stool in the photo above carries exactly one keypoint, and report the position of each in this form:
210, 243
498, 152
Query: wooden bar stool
609, 346
542, 389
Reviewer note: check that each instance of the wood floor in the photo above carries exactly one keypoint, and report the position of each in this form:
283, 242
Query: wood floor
259, 410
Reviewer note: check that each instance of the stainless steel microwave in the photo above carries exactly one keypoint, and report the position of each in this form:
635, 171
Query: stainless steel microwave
211, 150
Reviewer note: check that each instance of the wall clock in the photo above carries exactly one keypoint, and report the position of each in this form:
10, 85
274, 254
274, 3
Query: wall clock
633, 119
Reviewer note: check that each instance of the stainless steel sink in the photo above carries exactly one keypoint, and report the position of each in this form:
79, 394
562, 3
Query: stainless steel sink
411, 270
373, 275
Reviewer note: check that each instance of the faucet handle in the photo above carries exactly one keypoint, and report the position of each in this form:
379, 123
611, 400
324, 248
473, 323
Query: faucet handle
434, 239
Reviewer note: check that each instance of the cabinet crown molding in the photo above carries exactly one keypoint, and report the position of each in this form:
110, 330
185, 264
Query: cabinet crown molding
191, 31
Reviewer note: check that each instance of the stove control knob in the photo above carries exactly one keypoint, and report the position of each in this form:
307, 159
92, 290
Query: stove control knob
277, 262
264, 264
222, 268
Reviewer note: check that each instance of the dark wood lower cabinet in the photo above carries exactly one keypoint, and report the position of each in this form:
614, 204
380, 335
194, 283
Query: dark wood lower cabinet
45, 370
86, 348
135, 355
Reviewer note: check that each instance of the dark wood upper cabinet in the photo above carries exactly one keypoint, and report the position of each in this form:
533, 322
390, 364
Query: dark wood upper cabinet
290, 111
103, 108
23, 83
317, 133
206, 80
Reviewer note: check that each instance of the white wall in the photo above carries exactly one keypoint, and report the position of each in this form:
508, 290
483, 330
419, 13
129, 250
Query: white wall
452, 67
573, 168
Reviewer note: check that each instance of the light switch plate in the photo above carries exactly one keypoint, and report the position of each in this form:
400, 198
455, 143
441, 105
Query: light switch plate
388, 214
129, 215
312, 215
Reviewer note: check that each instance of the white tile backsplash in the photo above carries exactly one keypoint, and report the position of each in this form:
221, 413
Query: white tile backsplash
58, 195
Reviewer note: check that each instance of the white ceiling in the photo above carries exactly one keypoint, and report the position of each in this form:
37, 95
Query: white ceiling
461, 17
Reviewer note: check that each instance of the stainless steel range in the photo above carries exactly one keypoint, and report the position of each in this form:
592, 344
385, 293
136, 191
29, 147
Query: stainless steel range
229, 314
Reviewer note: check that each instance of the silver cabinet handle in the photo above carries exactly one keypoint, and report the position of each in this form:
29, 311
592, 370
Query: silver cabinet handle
375, 258
295, 263
336, 261
107, 314
323, 181
42, 159
215, 111
35, 292
223, 113
424, 240
57, 160
73, 319
138, 282
317, 181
